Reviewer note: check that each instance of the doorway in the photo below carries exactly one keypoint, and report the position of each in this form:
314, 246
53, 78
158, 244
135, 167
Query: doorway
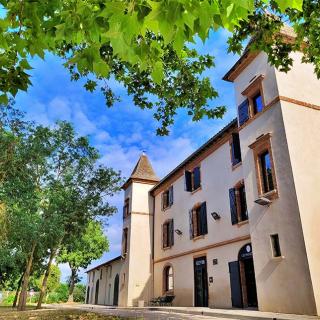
96, 298
88, 295
242, 279
116, 290
200, 282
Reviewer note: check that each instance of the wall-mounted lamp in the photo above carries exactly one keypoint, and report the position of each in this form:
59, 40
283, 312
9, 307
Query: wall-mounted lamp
215, 216
178, 232
263, 201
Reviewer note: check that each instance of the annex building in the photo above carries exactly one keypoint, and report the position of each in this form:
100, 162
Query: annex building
237, 223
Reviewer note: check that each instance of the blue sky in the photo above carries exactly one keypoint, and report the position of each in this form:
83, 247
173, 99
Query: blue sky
123, 131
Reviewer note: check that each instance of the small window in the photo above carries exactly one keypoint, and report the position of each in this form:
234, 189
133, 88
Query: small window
193, 179
276, 251
126, 211
167, 234
168, 279
266, 172
198, 220
235, 149
125, 242
257, 104
110, 271
238, 203
167, 198
101, 274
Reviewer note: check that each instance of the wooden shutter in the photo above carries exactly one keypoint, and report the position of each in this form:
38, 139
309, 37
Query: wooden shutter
235, 284
203, 218
190, 224
236, 150
171, 233
196, 178
195, 225
188, 183
243, 112
171, 196
165, 235
162, 202
233, 206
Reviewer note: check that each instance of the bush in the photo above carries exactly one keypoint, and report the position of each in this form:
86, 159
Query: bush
62, 292
9, 299
79, 293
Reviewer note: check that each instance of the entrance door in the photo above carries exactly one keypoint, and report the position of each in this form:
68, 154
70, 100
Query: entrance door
200, 282
116, 290
88, 295
250, 282
96, 299
235, 284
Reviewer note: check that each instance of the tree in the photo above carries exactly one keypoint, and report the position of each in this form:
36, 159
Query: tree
81, 250
51, 188
139, 43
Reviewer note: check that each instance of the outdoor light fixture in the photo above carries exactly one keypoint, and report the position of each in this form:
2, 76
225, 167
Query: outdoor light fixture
215, 215
263, 201
178, 232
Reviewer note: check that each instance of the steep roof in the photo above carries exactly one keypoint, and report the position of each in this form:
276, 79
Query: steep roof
143, 171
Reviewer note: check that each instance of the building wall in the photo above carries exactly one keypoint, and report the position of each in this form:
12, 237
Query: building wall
277, 278
217, 177
136, 276
106, 283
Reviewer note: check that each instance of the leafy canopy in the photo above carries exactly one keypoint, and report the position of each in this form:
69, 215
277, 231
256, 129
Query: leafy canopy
140, 43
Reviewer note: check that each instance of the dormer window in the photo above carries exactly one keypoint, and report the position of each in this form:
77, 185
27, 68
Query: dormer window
193, 179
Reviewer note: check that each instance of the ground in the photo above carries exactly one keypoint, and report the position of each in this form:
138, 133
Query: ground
7, 313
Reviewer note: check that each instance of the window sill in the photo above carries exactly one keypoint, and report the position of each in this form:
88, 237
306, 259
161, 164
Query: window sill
167, 208
241, 223
198, 237
271, 195
194, 191
234, 167
166, 248
280, 258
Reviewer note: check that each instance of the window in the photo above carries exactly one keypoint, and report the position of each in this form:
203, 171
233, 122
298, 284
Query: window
110, 271
193, 179
254, 103
168, 279
265, 172
235, 149
126, 211
198, 220
257, 103
238, 203
167, 198
276, 251
100, 274
93, 274
167, 234
125, 242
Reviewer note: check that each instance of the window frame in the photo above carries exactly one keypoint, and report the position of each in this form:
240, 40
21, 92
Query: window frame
275, 246
166, 277
196, 220
169, 200
192, 175
259, 147
126, 208
125, 242
167, 244
234, 164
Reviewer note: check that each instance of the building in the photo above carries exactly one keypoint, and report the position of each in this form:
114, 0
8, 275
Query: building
236, 224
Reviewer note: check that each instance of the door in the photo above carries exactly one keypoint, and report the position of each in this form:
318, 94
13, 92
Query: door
235, 284
200, 282
96, 298
88, 295
116, 290
250, 283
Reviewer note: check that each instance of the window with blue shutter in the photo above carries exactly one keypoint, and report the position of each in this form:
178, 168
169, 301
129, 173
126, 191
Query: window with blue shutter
167, 198
188, 180
190, 224
171, 196
243, 112
171, 233
203, 219
233, 206
235, 149
196, 178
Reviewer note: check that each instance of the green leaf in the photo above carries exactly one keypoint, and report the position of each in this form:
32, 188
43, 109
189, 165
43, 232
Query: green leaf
157, 72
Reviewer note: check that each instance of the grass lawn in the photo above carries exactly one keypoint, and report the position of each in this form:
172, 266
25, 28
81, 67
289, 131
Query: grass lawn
7, 313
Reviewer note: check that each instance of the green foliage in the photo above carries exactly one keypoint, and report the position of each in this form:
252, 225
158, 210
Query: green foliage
79, 293
59, 295
129, 40
8, 300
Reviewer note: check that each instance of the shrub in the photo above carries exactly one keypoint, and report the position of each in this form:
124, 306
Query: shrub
9, 299
79, 293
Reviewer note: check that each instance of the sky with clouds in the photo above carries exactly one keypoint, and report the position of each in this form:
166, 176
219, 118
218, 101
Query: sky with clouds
123, 131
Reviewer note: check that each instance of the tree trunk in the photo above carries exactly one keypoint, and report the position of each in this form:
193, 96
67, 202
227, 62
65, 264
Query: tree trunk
25, 281
72, 283
45, 278
17, 292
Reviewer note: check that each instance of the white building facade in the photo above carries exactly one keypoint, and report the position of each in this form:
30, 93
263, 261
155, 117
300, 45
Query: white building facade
236, 224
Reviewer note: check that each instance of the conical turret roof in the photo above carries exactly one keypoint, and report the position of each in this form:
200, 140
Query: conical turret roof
143, 171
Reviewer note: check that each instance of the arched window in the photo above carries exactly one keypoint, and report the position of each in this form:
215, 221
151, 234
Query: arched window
168, 279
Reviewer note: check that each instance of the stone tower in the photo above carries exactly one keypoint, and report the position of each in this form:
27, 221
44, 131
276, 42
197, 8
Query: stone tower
136, 272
